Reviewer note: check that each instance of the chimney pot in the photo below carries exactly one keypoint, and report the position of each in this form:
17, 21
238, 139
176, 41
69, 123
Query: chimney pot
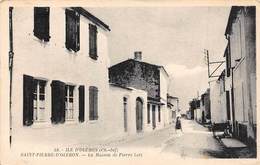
138, 55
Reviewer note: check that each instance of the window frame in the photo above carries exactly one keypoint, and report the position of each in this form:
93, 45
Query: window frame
37, 109
69, 111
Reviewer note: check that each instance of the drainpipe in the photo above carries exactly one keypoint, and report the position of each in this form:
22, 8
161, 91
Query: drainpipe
232, 98
11, 56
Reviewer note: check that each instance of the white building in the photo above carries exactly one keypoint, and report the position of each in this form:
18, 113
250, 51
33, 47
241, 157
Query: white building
218, 100
60, 90
173, 108
241, 70
59, 76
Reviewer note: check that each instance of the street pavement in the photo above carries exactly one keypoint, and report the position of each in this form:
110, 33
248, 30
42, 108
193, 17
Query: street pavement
195, 141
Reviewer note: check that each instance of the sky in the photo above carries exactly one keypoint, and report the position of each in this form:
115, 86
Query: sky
174, 37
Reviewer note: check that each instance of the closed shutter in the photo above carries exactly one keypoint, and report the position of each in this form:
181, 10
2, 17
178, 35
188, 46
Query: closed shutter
93, 41
81, 103
72, 30
77, 19
41, 23
27, 100
58, 102
159, 113
93, 103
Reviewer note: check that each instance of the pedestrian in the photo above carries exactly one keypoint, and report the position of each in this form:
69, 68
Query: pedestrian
178, 126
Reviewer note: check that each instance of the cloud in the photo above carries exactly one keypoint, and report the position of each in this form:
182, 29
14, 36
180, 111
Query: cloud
186, 83
179, 71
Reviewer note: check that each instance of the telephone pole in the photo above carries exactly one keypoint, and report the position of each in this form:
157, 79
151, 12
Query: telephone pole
210, 63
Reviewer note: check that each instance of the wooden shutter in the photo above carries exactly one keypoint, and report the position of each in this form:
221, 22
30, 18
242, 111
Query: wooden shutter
77, 33
81, 103
72, 30
93, 41
41, 23
93, 103
58, 102
27, 100
159, 113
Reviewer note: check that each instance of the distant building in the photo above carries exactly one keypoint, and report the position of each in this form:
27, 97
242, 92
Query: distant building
173, 106
218, 100
241, 71
194, 105
205, 106
148, 77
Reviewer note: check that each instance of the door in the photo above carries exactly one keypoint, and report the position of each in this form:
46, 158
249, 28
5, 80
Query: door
139, 115
153, 117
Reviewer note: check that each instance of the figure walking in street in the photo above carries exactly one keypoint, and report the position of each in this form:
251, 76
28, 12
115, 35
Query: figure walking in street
178, 126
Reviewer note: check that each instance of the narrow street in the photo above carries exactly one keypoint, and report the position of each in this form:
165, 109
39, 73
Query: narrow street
195, 142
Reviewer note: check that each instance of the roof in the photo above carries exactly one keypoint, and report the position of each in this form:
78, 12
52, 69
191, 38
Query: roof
155, 102
91, 17
119, 86
232, 16
226, 50
158, 66
173, 97
221, 76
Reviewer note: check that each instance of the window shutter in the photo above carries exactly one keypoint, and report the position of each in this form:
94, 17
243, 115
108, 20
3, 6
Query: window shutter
58, 103
72, 30
93, 41
27, 100
159, 113
93, 103
41, 23
81, 103
77, 32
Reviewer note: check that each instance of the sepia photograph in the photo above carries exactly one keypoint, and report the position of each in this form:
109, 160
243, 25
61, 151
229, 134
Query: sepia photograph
128, 82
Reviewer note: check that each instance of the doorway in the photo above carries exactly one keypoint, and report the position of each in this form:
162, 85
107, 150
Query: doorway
153, 117
139, 114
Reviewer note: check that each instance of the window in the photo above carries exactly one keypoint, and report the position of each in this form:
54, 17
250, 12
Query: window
33, 100
72, 30
93, 41
159, 113
69, 100
148, 114
38, 100
41, 23
93, 103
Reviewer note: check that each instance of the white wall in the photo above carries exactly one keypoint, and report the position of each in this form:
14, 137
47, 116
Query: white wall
242, 44
217, 104
114, 114
164, 84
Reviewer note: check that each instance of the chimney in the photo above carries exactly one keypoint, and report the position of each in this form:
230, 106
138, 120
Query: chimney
138, 55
